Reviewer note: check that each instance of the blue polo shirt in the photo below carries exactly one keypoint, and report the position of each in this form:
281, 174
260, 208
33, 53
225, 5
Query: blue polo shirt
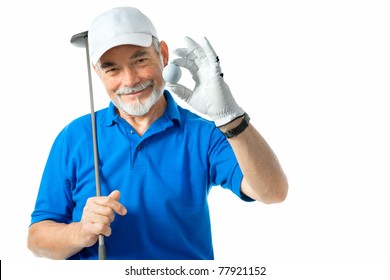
164, 178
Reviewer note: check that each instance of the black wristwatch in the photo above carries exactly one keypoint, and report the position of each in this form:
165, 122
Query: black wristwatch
238, 129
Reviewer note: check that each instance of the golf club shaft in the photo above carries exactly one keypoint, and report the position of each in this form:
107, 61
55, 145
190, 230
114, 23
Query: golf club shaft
102, 247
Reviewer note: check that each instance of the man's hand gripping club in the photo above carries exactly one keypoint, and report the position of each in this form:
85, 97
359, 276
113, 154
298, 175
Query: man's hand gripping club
211, 95
98, 214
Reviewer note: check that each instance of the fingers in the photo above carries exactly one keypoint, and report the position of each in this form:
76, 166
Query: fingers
181, 91
99, 213
191, 44
113, 202
115, 195
193, 50
189, 55
211, 56
196, 51
184, 52
186, 63
196, 56
101, 226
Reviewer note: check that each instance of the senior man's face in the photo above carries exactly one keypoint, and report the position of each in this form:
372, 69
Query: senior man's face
132, 76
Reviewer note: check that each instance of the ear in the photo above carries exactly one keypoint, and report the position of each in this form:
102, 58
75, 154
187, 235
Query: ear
164, 52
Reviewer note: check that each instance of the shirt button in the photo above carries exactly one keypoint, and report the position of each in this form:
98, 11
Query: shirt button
132, 131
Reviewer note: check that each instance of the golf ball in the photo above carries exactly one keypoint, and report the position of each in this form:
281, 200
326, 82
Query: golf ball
171, 73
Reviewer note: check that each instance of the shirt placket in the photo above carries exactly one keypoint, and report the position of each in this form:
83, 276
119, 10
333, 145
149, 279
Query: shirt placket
138, 151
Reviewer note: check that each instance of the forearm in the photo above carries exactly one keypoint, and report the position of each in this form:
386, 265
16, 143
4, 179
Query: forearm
264, 179
53, 240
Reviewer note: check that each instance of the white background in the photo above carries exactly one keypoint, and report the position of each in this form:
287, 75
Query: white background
313, 76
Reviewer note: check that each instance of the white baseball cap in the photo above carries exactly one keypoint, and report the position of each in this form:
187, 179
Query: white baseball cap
119, 26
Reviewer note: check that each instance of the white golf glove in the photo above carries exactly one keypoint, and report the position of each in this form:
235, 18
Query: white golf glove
211, 95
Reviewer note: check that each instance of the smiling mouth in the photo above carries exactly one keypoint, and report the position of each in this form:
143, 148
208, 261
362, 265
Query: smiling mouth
134, 90
131, 93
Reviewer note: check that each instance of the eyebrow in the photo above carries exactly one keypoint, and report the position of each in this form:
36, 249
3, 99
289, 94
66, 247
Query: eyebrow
137, 54
105, 65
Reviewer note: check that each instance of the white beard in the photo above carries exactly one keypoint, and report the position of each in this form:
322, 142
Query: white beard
139, 108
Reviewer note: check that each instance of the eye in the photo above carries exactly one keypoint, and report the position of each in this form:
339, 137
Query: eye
141, 60
111, 70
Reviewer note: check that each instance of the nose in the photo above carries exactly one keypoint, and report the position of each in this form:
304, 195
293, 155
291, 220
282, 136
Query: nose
130, 77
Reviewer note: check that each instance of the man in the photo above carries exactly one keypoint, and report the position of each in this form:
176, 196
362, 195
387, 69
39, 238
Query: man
158, 161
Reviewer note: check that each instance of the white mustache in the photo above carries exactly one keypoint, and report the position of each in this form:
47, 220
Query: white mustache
130, 90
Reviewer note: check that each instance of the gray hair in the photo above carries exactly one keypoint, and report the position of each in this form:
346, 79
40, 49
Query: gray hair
156, 45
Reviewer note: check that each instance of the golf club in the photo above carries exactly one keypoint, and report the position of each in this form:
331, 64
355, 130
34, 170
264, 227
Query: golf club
81, 40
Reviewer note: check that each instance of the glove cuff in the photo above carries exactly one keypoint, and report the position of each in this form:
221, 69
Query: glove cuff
228, 115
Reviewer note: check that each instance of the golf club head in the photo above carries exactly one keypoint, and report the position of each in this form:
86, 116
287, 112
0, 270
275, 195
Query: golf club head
78, 40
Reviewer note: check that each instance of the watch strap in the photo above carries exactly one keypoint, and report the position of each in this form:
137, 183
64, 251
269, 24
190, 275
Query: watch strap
238, 129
